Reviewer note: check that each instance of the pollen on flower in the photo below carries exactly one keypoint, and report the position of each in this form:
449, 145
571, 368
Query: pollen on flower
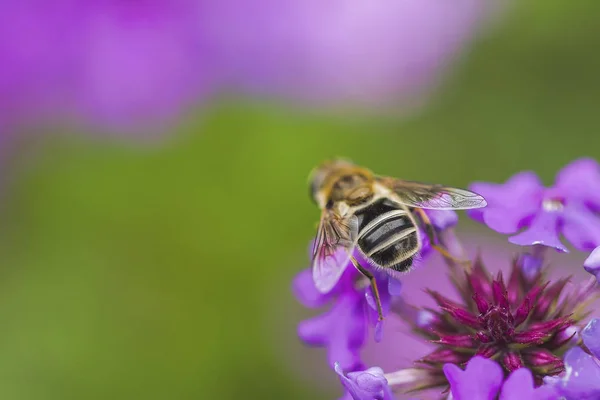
552, 205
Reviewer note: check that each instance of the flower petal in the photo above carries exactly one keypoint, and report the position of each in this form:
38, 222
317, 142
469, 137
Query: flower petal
542, 230
481, 380
306, 292
519, 385
442, 219
394, 287
592, 263
581, 179
509, 204
581, 380
581, 227
342, 330
591, 336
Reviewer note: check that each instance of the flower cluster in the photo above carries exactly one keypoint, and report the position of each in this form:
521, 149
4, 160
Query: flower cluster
518, 322
510, 336
569, 207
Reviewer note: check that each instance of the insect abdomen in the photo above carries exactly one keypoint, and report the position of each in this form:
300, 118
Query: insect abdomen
387, 235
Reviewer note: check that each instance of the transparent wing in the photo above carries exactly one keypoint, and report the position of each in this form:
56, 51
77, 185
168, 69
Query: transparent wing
336, 238
427, 196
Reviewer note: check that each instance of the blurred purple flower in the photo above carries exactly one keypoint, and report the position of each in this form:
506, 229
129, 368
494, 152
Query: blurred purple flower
350, 52
33, 63
139, 62
343, 329
569, 207
129, 66
108, 62
483, 379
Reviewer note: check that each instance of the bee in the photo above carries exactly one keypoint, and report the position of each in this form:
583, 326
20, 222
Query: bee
377, 215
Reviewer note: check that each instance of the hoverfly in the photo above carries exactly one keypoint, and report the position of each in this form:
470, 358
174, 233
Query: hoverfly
376, 215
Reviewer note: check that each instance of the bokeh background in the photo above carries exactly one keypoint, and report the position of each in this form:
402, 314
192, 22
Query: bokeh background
159, 266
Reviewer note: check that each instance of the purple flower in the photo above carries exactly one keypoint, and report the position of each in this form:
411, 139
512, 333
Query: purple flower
483, 379
141, 62
110, 63
34, 65
343, 52
524, 323
592, 263
568, 207
138, 65
343, 329
365, 385
591, 337
518, 322
581, 381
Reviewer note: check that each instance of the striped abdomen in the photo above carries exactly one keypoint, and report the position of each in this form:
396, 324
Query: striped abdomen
387, 235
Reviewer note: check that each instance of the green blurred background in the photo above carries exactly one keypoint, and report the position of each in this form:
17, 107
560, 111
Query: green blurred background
163, 271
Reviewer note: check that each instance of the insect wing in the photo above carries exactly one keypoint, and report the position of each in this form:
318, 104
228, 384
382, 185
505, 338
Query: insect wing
336, 238
428, 196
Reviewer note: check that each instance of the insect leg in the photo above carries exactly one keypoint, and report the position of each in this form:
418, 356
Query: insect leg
431, 234
371, 279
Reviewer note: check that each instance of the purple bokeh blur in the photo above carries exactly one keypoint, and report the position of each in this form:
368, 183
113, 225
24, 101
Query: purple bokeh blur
137, 66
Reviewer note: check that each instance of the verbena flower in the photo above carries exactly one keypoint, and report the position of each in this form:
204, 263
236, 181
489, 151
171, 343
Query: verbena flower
343, 329
512, 335
569, 207
519, 322
581, 380
484, 379
501, 341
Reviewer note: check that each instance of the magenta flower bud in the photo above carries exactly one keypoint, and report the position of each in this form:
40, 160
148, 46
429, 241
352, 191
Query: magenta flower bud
482, 305
522, 312
442, 356
512, 361
530, 337
497, 324
499, 291
541, 358
465, 341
